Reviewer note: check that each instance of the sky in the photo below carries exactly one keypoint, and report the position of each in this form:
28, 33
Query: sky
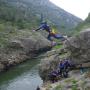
79, 8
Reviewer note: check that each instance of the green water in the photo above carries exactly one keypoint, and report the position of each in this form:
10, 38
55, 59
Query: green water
21, 77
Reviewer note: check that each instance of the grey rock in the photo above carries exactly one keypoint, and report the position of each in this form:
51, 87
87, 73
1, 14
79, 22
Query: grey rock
22, 48
47, 65
79, 47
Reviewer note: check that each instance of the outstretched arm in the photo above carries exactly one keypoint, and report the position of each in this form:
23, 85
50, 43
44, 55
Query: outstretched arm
39, 28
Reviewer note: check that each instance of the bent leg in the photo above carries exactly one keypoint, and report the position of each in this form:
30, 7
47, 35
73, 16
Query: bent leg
58, 36
49, 37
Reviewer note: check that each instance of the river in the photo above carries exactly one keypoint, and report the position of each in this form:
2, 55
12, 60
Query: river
21, 77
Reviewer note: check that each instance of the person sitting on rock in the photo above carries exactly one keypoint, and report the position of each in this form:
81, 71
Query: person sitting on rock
53, 75
52, 33
67, 64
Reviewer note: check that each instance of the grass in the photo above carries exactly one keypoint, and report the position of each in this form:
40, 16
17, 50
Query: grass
58, 87
74, 81
74, 84
74, 87
58, 46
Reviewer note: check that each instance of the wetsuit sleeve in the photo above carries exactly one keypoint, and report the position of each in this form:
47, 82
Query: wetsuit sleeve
41, 27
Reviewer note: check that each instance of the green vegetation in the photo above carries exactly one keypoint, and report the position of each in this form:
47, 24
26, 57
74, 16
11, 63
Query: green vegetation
58, 46
28, 14
58, 87
74, 84
83, 25
74, 81
17, 17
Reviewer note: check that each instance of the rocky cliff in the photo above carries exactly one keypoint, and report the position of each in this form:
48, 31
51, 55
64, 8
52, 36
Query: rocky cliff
21, 47
79, 47
76, 48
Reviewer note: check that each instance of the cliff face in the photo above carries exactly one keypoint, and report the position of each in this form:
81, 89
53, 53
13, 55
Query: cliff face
79, 47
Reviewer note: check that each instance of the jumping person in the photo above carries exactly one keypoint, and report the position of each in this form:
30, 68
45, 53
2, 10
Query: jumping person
52, 33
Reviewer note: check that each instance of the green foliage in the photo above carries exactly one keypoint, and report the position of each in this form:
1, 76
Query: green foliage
74, 81
74, 84
74, 87
82, 26
58, 46
17, 16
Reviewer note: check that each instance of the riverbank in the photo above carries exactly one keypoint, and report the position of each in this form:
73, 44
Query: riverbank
75, 81
24, 76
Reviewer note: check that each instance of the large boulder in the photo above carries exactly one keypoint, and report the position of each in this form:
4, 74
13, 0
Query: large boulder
79, 47
24, 46
47, 65
30, 44
51, 62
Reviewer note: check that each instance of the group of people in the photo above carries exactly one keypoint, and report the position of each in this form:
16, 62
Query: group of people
62, 70
52, 34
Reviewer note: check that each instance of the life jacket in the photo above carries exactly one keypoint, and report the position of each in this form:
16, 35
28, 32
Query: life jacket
52, 32
61, 65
